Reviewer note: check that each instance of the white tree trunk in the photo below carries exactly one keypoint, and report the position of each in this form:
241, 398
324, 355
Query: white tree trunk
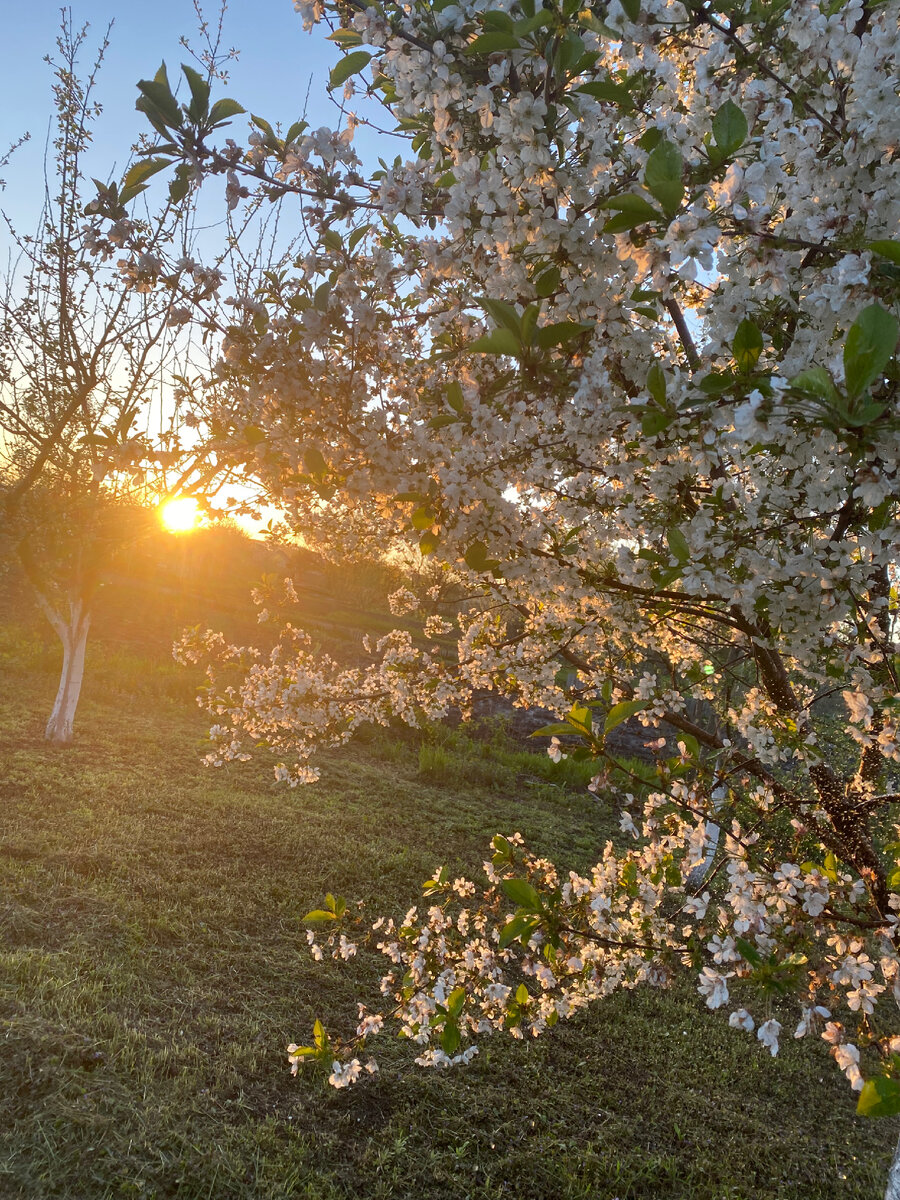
699, 873
893, 1183
73, 633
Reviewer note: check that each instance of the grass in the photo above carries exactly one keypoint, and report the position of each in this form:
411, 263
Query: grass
483, 755
153, 968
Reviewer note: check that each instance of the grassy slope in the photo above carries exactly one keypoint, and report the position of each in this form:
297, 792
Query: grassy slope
153, 968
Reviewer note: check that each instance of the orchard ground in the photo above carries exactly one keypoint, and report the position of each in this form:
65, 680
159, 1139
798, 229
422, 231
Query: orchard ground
154, 968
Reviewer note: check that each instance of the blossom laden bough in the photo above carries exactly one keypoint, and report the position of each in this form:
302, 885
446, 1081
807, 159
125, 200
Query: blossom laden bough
615, 343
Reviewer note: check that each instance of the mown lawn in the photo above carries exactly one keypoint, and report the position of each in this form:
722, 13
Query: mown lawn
154, 967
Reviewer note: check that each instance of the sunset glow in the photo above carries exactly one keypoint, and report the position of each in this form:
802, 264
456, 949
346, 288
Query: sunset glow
180, 515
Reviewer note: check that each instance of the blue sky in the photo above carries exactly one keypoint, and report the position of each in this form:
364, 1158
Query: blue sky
270, 77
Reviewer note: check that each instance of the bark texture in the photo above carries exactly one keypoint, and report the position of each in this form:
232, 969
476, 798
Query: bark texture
73, 633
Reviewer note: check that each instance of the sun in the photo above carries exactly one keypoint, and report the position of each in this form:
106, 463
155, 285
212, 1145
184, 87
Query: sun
180, 515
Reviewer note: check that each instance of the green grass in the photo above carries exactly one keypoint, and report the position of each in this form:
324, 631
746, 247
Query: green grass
153, 969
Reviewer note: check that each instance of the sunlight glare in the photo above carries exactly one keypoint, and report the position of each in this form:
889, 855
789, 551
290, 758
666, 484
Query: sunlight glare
180, 515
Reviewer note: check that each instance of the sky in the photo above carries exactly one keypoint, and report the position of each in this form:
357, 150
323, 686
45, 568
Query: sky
270, 78
277, 66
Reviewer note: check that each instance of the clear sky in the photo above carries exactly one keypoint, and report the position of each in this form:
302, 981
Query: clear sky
270, 77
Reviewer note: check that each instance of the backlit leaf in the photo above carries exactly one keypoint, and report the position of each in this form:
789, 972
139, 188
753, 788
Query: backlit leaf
871, 341
880, 1097
662, 177
729, 128
349, 65
621, 712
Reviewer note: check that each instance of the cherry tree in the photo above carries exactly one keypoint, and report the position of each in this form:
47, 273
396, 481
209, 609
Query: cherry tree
92, 311
614, 339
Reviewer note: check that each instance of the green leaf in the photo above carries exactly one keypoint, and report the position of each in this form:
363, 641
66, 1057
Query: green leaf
319, 916
320, 299
656, 384
817, 381
522, 893
264, 127
662, 177
552, 730
889, 250
632, 9
254, 435
650, 139
314, 462
653, 422
630, 202
529, 321
423, 518
450, 1037
520, 926
492, 43
717, 382
749, 952
306, 1051
747, 346
729, 128
865, 415
455, 397
562, 331
621, 712
319, 1035
532, 23
476, 556
880, 1097
349, 65
512, 930
357, 236
179, 188
455, 1001
871, 341
296, 130
547, 283
678, 545
498, 19
612, 93
428, 543
159, 96
690, 743
345, 38
498, 341
141, 171
580, 717
223, 109
503, 314
199, 86
522, 996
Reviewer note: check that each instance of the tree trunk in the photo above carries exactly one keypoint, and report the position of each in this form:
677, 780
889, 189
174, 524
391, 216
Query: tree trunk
893, 1183
73, 633
694, 881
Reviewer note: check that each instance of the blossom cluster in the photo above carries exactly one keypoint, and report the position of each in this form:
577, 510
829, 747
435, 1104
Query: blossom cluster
615, 343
